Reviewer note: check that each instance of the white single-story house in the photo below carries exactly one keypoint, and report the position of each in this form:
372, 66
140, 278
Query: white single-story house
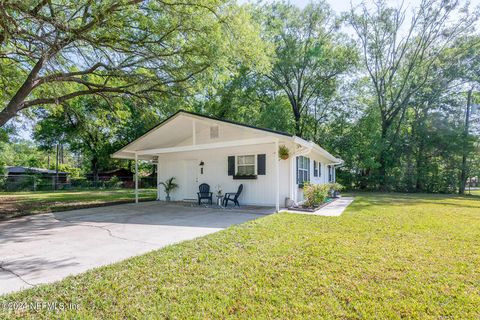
197, 149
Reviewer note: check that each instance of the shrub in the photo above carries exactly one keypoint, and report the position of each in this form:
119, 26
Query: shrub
315, 194
113, 183
3, 183
334, 187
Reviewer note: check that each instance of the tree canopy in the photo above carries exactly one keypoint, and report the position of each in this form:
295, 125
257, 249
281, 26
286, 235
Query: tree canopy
54, 51
391, 90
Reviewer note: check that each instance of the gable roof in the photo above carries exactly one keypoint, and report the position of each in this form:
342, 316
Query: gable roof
181, 111
235, 123
307, 144
26, 170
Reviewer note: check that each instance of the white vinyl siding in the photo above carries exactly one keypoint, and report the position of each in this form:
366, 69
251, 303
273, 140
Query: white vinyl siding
255, 191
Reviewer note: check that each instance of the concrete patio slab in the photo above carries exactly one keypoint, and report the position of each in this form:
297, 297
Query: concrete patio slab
333, 209
48, 247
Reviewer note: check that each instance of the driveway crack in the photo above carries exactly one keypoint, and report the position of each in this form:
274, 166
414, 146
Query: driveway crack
110, 233
15, 274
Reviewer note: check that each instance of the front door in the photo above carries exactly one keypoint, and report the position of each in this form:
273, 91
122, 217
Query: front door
190, 179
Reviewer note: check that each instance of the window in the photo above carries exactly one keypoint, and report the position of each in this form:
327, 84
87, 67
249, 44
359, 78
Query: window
245, 165
315, 169
330, 177
303, 173
319, 169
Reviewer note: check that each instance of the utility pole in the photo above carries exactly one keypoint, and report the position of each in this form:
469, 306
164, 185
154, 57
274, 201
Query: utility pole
56, 170
463, 176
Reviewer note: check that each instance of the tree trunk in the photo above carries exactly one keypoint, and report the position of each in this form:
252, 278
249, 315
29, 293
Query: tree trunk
298, 129
382, 170
62, 158
15, 104
296, 115
94, 163
463, 175
420, 164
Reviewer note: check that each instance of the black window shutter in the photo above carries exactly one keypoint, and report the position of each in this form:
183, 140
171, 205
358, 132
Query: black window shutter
231, 165
298, 177
308, 169
261, 164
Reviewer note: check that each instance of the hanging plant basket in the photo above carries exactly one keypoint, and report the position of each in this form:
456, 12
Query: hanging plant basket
283, 152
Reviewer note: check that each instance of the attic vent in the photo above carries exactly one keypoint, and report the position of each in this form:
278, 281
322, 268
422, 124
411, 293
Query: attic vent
213, 132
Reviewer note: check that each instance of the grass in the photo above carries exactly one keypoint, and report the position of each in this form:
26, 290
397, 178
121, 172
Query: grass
388, 256
475, 192
13, 204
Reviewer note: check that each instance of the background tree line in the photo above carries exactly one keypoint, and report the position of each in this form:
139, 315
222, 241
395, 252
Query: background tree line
386, 89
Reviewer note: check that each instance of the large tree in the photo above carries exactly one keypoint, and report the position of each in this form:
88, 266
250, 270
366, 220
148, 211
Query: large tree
52, 51
89, 126
400, 55
311, 55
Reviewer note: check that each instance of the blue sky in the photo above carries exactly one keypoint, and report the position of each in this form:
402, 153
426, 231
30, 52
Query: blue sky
338, 5
345, 5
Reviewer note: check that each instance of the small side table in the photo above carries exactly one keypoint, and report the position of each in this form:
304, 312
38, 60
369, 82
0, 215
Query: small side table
219, 200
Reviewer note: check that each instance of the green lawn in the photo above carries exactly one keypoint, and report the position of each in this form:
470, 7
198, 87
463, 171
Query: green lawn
388, 256
475, 192
21, 203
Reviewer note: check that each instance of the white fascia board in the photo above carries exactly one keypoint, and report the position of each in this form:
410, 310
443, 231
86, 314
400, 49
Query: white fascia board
206, 146
313, 146
130, 156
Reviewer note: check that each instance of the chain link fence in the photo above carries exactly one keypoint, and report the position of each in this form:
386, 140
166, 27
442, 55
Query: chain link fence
13, 183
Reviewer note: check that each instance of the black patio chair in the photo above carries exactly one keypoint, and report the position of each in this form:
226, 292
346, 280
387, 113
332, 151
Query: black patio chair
204, 193
233, 196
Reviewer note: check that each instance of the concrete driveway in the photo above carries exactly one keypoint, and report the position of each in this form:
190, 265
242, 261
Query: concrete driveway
48, 247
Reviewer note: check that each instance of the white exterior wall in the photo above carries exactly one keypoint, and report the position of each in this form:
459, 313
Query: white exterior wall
260, 191
323, 178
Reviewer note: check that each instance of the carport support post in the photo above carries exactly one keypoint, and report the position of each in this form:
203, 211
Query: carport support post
136, 178
277, 180
158, 179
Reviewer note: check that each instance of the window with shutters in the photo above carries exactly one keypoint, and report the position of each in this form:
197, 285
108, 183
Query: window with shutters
303, 173
246, 165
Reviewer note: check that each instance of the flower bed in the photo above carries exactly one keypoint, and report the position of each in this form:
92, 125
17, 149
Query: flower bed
317, 196
313, 209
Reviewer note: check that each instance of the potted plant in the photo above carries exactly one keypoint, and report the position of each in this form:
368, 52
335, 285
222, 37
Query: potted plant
335, 189
219, 191
169, 186
283, 152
